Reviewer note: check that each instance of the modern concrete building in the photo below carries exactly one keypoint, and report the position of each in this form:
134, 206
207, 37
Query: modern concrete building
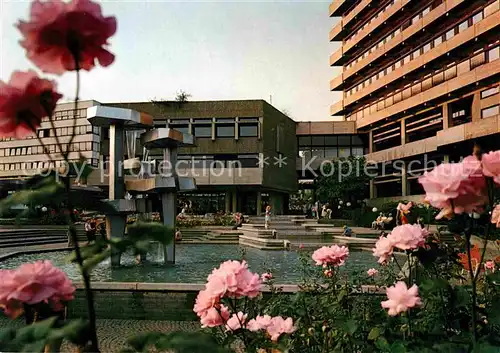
421, 78
244, 156
21, 158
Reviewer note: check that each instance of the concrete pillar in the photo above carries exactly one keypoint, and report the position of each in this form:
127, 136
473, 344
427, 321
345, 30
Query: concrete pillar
168, 207
235, 201
373, 191
476, 107
446, 117
227, 201
115, 223
259, 203
404, 180
169, 204
370, 141
403, 131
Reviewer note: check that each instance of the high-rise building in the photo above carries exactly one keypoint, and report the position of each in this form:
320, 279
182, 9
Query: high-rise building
421, 77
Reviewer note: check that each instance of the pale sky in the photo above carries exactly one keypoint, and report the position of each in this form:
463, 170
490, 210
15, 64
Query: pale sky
213, 50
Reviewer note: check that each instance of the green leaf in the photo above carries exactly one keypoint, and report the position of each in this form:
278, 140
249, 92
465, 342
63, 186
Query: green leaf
374, 333
351, 326
151, 230
398, 347
382, 343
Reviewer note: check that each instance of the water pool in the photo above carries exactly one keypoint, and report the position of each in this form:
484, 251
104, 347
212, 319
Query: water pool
193, 264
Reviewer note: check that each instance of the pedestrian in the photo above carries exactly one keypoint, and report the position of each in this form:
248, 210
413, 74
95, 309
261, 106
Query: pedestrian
323, 211
267, 218
178, 234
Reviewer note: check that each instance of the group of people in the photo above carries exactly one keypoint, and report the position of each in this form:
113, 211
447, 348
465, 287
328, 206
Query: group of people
318, 211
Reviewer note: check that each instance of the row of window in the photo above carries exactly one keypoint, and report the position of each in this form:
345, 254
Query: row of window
397, 31
39, 165
219, 161
370, 21
67, 114
327, 146
52, 148
330, 152
68, 131
428, 81
420, 51
222, 127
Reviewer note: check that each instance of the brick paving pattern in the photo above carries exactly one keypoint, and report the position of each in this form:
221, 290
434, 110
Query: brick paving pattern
114, 333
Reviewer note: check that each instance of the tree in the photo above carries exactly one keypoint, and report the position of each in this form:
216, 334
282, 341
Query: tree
345, 179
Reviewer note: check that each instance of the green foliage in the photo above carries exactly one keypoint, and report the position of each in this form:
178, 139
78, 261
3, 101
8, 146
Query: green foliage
175, 342
344, 180
34, 337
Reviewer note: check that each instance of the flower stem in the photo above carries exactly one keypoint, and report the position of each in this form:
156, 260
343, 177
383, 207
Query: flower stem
468, 234
94, 347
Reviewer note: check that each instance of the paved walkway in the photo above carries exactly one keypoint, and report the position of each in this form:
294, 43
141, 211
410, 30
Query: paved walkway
113, 334
5, 251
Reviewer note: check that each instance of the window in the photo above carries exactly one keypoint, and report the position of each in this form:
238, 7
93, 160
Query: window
427, 47
248, 130
344, 140
318, 140
331, 152
450, 34
463, 26
357, 151
438, 41
181, 125
477, 17
491, 111
304, 140
493, 54
489, 92
225, 128
202, 130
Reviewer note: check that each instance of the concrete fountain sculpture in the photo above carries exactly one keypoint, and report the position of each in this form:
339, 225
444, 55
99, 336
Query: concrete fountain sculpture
163, 181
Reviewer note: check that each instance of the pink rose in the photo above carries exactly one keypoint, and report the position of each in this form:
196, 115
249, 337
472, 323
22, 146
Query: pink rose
495, 216
214, 317
372, 272
489, 265
383, 249
401, 298
491, 165
301, 246
408, 236
24, 101
456, 187
233, 279
334, 255
204, 302
259, 323
266, 276
236, 321
57, 31
278, 326
34, 283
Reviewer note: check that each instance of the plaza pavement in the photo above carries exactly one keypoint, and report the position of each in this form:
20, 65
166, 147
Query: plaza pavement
113, 334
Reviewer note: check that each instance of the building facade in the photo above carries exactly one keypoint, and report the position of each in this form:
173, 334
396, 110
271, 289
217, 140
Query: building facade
244, 158
22, 158
421, 79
